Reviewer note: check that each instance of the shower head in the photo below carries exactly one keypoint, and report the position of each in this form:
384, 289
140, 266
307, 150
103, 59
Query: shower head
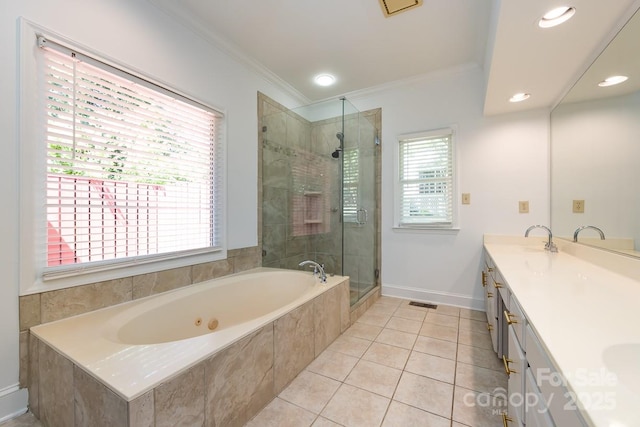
336, 153
340, 136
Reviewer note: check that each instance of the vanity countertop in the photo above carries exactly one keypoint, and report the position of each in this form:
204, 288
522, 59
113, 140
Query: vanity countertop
585, 309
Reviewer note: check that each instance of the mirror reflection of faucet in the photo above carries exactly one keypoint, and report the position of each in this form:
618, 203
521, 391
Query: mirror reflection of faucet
549, 246
583, 227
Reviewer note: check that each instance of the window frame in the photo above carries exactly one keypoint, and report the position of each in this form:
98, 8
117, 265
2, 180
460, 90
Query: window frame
32, 161
399, 225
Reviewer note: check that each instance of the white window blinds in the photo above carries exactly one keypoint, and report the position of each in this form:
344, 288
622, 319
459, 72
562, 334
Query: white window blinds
351, 176
133, 171
426, 181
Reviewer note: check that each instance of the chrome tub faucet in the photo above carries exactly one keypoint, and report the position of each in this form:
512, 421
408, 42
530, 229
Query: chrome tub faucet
317, 269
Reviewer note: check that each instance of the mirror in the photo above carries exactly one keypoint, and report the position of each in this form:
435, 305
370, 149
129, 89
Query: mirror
595, 150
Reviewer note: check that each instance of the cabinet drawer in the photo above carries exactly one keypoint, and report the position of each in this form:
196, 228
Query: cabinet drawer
546, 377
515, 365
515, 318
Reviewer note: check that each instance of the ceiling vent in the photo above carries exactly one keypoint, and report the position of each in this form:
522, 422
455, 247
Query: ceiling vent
393, 7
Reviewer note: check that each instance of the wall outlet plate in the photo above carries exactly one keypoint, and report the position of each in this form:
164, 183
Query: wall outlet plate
578, 206
523, 206
466, 198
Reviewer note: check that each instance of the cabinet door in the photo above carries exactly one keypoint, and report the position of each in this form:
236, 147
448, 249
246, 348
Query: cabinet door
536, 413
515, 366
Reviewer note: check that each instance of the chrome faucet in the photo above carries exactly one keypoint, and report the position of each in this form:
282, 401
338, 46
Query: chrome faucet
549, 246
579, 229
317, 269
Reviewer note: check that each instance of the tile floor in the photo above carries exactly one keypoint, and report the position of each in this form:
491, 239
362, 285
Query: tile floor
398, 365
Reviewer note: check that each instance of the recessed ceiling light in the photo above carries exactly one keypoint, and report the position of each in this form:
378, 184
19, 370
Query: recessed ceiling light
518, 97
324, 79
556, 16
613, 80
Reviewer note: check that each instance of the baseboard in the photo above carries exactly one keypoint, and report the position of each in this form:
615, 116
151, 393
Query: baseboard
13, 402
424, 295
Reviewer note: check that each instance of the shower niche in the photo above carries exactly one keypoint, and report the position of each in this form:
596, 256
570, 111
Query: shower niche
320, 189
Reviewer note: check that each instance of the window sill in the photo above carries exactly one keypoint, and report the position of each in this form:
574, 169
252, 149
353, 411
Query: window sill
426, 230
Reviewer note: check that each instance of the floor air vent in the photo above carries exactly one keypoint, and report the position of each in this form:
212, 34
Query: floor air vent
423, 304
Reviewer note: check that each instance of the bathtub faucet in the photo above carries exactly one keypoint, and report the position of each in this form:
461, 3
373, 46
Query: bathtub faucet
317, 269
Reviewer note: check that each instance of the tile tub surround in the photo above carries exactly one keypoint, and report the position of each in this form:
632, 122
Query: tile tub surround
224, 389
36, 309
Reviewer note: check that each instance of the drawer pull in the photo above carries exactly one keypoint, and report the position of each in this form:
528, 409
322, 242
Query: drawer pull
506, 362
497, 285
484, 279
505, 420
489, 295
489, 327
507, 316
490, 269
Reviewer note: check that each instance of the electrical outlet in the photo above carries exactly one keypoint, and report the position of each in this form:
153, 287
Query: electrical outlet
523, 206
578, 206
466, 198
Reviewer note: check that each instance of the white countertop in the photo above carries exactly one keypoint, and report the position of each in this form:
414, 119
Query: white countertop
587, 316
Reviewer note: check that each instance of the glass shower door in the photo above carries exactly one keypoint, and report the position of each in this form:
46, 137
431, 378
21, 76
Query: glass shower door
359, 203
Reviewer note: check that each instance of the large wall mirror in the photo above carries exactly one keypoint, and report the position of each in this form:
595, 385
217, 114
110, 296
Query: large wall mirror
595, 150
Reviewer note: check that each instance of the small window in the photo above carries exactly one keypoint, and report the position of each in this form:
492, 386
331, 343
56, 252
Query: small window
133, 170
426, 180
350, 189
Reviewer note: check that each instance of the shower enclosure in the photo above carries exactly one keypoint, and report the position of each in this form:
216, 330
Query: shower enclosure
319, 168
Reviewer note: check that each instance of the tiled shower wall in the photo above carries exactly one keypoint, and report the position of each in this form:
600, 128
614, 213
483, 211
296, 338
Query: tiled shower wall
289, 145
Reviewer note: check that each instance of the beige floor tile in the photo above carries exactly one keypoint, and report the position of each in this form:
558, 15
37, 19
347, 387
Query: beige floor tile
364, 331
404, 325
479, 326
381, 309
352, 346
479, 379
407, 313
436, 347
310, 391
374, 319
425, 393
440, 332
354, 407
279, 413
475, 339
475, 410
375, 378
391, 301
397, 338
479, 357
25, 420
435, 367
448, 310
441, 320
401, 415
323, 422
473, 314
388, 355
333, 365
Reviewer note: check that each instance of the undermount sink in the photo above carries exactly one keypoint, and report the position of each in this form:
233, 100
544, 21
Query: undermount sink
622, 360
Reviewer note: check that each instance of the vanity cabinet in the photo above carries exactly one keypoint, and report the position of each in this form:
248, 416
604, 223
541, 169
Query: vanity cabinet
535, 397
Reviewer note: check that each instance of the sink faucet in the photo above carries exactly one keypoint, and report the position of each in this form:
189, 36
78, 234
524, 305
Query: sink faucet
579, 229
317, 269
549, 246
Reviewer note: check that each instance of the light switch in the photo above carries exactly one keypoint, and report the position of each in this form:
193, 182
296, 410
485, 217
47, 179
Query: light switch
466, 198
578, 206
523, 206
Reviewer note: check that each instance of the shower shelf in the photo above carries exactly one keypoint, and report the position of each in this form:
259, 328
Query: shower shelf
313, 193
313, 221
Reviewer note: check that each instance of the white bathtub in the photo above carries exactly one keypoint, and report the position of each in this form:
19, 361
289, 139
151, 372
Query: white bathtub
133, 347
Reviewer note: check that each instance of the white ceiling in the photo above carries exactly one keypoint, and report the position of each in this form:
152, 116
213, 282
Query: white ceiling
291, 41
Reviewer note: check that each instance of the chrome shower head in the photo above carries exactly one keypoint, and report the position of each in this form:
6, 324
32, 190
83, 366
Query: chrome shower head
340, 136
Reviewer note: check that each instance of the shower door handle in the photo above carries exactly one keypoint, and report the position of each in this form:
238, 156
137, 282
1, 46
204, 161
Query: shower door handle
364, 213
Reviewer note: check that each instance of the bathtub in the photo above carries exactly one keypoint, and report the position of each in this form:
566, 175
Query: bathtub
134, 347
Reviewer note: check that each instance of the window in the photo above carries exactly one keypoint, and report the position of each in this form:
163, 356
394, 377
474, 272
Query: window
351, 170
132, 171
426, 180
